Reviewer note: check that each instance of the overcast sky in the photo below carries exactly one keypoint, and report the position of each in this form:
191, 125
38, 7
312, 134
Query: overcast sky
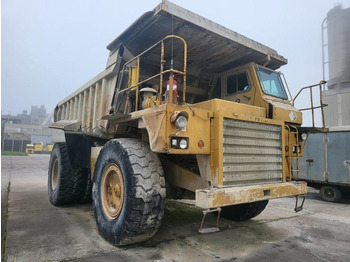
51, 48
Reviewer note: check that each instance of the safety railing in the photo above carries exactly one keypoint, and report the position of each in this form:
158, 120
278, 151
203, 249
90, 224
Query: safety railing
135, 84
312, 107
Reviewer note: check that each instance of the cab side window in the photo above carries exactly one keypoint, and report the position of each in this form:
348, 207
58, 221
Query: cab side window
217, 89
237, 83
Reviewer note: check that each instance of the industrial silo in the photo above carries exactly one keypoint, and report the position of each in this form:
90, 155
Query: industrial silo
337, 113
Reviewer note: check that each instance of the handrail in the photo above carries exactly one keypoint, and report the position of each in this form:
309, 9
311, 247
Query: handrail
312, 108
160, 74
290, 152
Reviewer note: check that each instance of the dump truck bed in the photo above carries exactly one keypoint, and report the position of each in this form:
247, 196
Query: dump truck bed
208, 42
211, 49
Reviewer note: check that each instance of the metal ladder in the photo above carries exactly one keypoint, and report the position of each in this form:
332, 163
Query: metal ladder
291, 171
296, 133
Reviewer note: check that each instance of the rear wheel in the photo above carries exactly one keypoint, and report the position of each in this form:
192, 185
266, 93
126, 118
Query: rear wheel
63, 182
128, 192
330, 193
243, 212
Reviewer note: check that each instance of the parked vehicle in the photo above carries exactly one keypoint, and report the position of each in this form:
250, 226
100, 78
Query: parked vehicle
48, 148
325, 164
29, 148
39, 148
183, 104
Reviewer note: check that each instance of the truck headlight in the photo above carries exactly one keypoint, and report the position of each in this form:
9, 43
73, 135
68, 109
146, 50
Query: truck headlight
174, 142
181, 122
183, 143
179, 142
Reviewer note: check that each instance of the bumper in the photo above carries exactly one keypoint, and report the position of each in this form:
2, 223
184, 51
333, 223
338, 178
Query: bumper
219, 197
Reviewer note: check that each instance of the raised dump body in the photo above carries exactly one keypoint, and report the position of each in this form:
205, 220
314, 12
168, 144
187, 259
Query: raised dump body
185, 102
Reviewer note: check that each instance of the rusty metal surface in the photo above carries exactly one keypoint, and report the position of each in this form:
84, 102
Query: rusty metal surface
219, 197
83, 110
252, 152
206, 230
211, 46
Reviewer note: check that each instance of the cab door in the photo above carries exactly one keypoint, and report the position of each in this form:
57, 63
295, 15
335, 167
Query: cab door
237, 86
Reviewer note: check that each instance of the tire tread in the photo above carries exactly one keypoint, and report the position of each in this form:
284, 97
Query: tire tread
69, 186
147, 196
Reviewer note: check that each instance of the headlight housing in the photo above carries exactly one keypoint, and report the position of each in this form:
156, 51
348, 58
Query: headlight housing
181, 122
179, 142
180, 119
183, 143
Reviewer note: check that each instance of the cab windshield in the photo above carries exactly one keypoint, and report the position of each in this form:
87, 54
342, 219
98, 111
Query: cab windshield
271, 83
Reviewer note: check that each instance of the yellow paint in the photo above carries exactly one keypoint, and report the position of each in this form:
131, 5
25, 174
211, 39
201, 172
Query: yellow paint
95, 151
49, 147
218, 197
282, 111
232, 108
133, 76
198, 128
39, 147
181, 177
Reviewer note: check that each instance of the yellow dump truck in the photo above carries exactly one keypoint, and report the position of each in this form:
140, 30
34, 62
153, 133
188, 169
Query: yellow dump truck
48, 148
183, 105
29, 148
39, 148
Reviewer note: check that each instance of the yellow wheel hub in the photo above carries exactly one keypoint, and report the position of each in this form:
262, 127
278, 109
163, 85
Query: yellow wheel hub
112, 191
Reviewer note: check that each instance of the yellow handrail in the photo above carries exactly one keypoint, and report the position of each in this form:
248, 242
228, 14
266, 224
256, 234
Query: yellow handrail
160, 74
312, 108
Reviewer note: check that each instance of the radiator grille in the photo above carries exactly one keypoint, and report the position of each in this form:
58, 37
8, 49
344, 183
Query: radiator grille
252, 152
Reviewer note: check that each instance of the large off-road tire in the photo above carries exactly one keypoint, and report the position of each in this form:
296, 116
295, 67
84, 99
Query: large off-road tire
330, 193
243, 212
128, 192
63, 181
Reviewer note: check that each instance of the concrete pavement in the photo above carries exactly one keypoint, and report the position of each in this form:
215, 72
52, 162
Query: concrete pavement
38, 231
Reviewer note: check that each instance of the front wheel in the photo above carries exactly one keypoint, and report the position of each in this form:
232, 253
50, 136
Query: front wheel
243, 212
128, 192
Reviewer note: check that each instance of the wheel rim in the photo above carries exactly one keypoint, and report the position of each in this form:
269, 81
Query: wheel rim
54, 174
329, 193
112, 191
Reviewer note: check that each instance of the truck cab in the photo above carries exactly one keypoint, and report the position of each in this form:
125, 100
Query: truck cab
29, 148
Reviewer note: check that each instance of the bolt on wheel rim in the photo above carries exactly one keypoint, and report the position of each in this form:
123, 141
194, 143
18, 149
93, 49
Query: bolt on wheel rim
54, 174
112, 191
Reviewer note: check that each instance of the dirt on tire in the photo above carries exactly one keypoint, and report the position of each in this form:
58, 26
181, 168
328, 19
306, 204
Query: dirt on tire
144, 192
